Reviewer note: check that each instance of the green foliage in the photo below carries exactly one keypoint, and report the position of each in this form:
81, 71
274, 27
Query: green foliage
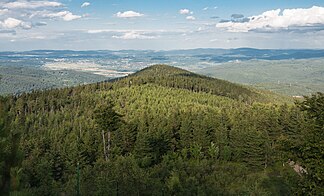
165, 134
312, 148
164, 75
106, 117
314, 106
10, 128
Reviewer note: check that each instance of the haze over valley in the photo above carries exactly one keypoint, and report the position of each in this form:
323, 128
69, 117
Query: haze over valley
289, 72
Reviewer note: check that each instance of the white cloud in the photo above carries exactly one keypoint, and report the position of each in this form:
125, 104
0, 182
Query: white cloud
11, 23
26, 14
85, 4
69, 16
93, 31
133, 35
190, 18
185, 11
128, 14
65, 15
38, 37
209, 8
274, 20
136, 33
21, 4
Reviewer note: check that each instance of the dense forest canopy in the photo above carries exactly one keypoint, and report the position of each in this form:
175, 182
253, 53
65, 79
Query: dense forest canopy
161, 131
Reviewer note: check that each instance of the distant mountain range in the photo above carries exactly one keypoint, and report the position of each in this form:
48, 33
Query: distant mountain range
208, 54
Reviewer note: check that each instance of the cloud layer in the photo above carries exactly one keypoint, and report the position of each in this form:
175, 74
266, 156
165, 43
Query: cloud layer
34, 24
22, 4
133, 35
275, 20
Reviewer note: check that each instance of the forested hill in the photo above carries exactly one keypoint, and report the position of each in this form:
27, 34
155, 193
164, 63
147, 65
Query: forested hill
168, 76
161, 131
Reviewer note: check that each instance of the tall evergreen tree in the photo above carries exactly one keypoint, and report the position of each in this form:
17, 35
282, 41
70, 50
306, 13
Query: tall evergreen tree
312, 151
108, 121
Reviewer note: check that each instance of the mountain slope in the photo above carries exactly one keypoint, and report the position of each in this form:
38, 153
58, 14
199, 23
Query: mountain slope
173, 77
169, 139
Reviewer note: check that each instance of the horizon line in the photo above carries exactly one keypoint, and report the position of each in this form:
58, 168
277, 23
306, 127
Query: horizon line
181, 49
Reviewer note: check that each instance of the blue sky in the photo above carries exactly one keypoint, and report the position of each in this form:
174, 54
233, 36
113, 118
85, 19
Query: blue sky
160, 25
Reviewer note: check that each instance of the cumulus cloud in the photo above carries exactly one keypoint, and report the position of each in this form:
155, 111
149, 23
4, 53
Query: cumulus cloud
185, 11
275, 20
11, 23
65, 15
190, 18
26, 14
128, 14
134, 35
85, 4
68, 16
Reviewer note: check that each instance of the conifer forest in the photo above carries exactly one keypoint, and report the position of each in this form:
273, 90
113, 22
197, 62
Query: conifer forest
161, 131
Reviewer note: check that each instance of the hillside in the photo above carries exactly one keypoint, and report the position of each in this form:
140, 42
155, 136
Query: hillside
160, 131
167, 76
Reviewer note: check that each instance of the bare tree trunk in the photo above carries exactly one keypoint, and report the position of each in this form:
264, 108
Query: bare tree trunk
266, 162
108, 145
104, 144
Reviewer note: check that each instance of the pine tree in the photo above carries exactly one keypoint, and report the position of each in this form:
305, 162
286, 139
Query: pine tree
312, 151
108, 121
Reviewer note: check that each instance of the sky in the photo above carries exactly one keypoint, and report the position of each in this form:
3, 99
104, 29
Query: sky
160, 24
